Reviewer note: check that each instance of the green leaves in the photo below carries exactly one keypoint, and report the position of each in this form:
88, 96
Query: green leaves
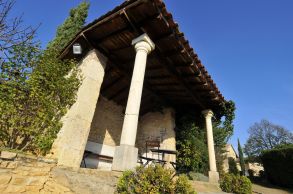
265, 135
70, 27
35, 93
191, 138
231, 183
241, 159
191, 145
37, 88
153, 179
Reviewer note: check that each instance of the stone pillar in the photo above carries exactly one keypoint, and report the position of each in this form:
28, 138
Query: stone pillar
213, 174
69, 146
125, 156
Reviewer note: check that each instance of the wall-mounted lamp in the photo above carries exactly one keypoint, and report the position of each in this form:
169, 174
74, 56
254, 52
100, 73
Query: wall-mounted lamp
77, 50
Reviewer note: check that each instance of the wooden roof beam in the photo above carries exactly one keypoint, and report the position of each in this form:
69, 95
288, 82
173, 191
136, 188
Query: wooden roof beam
174, 72
146, 85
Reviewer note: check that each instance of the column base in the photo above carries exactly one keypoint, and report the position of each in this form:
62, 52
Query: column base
214, 177
125, 158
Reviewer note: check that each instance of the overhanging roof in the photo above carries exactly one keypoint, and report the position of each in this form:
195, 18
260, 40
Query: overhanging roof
174, 71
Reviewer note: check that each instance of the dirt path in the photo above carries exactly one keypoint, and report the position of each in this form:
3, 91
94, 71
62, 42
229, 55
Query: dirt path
268, 189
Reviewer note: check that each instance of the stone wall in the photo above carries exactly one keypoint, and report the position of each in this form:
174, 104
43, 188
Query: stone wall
255, 167
157, 126
107, 123
230, 153
108, 120
26, 174
30, 174
72, 137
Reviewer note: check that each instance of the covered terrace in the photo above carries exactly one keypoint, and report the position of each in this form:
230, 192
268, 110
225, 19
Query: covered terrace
136, 57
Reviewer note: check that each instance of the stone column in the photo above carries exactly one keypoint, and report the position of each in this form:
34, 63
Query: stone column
213, 174
125, 156
69, 146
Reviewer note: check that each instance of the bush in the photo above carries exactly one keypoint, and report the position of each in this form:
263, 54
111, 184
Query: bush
182, 185
152, 179
235, 184
278, 165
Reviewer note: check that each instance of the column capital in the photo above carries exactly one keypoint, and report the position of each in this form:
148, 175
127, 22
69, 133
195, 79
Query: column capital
207, 113
143, 42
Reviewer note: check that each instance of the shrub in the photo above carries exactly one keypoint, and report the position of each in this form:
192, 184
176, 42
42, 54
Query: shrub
278, 165
152, 179
235, 184
182, 185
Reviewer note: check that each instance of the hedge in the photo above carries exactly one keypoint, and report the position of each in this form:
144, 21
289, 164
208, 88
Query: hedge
278, 165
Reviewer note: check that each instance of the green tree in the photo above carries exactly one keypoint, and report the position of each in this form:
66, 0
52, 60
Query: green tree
264, 136
34, 96
15, 102
223, 129
241, 158
37, 88
71, 26
191, 138
191, 145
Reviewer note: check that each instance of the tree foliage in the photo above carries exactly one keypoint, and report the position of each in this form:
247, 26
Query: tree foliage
71, 26
36, 89
241, 159
278, 165
223, 126
191, 138
264, 136
237, 184
191, 145
153, 179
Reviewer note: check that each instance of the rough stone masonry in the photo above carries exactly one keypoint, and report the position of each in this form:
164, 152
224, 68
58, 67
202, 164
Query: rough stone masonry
29, 174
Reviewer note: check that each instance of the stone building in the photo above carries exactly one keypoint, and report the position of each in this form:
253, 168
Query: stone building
230, 153
138, 71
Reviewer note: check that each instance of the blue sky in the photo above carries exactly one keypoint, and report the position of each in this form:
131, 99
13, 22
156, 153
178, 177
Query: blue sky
246, 46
